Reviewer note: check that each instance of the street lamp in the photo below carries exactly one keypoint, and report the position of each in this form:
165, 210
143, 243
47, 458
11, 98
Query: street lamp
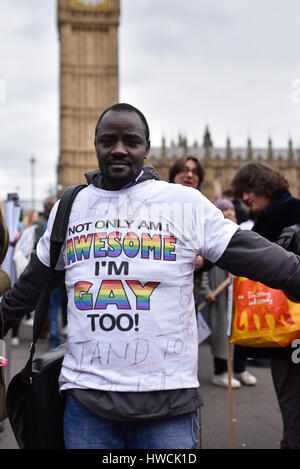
32, 163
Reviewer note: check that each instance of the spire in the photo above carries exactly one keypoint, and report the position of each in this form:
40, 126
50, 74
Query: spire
182, 142
249, 149
290, 150
228, 149
163, 148
207, 142
270, 150
185, 144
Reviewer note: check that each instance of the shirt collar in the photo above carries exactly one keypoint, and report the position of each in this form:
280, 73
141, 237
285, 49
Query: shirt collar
132, 183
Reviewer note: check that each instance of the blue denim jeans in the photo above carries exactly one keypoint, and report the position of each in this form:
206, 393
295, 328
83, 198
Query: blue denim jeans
83, 430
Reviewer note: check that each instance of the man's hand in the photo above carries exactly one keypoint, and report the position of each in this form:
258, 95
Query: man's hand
199, 263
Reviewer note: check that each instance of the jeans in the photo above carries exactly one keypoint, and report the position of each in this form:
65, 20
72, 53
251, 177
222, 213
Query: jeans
83, 430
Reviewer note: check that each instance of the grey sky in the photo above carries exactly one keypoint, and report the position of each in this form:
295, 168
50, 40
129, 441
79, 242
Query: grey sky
229, 65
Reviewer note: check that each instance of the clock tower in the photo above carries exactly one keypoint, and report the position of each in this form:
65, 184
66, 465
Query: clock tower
89, 80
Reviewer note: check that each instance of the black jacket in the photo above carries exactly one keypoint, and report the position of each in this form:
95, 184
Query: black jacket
283, 211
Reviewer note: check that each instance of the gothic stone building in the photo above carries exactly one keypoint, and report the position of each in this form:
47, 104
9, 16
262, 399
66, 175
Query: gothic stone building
221, 164
89, 80
89, 83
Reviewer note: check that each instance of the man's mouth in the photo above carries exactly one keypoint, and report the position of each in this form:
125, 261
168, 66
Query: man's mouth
118, 164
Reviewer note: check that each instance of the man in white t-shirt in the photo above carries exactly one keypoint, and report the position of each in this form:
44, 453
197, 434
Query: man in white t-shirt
130, 367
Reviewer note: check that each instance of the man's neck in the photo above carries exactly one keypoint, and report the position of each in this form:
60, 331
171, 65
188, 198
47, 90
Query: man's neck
120, 186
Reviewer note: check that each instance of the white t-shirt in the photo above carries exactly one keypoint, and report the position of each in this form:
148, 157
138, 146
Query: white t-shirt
129, 259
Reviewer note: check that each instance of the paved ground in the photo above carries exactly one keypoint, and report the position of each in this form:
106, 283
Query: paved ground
256, 417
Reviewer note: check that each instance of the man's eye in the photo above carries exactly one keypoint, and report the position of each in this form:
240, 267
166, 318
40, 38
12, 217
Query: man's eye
132, 142
106, 142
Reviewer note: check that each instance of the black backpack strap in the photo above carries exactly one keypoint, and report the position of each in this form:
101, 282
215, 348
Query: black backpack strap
61, 221
57, 239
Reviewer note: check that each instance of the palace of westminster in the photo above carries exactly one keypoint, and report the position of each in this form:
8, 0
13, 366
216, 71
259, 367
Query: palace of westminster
89, 83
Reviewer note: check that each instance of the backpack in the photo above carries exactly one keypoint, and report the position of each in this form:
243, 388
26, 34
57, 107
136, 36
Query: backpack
289, 239
35, 407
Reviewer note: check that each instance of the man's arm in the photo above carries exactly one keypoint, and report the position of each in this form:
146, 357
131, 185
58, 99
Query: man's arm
22, 298
250, 255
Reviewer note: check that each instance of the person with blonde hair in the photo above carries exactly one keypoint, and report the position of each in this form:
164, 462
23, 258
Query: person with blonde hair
30, 218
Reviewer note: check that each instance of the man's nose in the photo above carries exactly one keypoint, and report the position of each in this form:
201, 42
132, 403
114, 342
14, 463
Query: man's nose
119, 149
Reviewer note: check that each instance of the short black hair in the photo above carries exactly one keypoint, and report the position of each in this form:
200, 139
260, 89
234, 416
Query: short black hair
128, 108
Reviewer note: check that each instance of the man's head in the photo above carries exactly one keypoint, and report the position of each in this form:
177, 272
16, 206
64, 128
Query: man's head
258, 184
122, 143
187, 171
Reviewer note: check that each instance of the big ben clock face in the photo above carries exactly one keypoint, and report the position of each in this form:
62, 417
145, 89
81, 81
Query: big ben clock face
100, 5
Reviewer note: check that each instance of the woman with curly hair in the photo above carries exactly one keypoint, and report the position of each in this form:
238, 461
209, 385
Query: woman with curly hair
266, 192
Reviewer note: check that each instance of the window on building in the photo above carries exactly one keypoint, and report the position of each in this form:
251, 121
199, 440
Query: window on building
218, 174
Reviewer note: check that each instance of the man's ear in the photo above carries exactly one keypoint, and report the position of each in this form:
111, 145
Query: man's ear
147, 149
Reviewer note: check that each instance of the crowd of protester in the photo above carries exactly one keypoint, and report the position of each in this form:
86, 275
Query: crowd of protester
258, 200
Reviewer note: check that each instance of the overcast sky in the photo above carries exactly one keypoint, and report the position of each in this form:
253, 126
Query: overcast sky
232, 65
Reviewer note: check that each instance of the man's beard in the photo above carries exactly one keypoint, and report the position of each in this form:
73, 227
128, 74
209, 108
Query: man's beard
117, 177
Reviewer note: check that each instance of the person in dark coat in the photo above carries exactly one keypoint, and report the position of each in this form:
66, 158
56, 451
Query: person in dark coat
266, 192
